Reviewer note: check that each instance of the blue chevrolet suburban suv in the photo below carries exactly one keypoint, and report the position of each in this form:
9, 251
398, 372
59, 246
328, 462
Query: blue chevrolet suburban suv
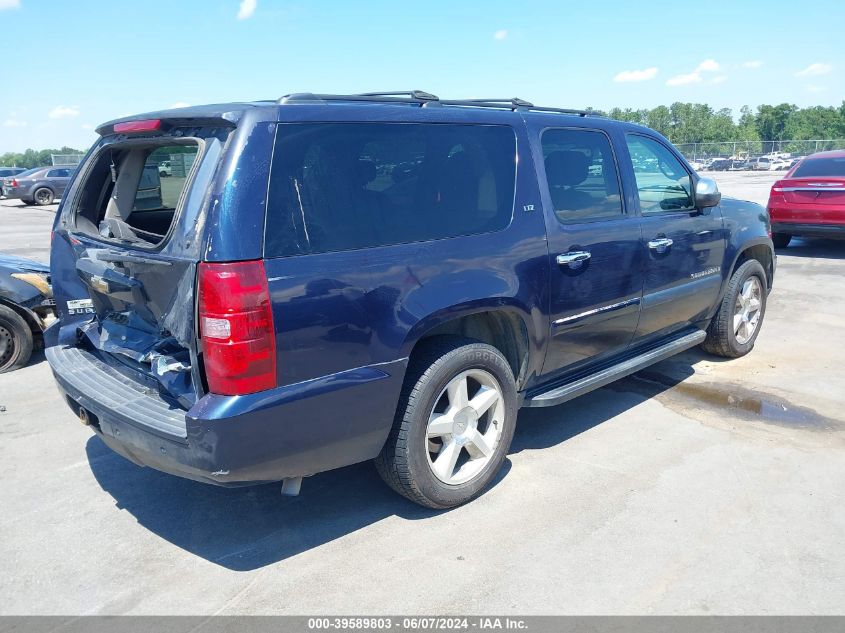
328, 279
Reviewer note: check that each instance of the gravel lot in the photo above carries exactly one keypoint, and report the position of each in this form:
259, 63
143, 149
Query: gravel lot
698, 486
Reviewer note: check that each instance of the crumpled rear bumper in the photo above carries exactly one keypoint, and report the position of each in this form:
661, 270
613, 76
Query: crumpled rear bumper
294, 430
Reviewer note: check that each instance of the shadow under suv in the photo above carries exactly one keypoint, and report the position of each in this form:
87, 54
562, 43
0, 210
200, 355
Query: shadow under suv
340, 278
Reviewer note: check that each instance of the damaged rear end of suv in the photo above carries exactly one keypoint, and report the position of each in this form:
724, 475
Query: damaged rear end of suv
138, 261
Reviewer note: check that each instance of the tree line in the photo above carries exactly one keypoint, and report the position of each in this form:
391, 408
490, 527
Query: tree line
699, 123
34, 158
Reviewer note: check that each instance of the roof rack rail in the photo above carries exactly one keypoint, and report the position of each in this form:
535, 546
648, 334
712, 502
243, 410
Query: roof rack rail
419, 95
410, 96
422, 98
514, 102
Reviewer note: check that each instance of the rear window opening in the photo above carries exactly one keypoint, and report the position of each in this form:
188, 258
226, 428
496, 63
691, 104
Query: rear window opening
132, 191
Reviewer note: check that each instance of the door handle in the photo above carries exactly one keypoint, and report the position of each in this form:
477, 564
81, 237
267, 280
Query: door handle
573, 259
660, 244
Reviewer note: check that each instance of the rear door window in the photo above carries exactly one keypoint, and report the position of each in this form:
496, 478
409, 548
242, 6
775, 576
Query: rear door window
345, 186
581, 175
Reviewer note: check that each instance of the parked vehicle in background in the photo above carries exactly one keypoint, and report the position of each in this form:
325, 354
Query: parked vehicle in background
760, 163
780, 164
809, 201
26, 309
8, 172
11, 171
164, 169
42, 185
794, 161
720, 164
342, 278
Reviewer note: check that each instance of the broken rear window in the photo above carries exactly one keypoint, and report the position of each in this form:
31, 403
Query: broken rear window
132, 191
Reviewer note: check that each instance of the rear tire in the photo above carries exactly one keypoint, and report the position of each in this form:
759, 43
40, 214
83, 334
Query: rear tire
454, 423
43, 196
781, 240
735, 327
15, 340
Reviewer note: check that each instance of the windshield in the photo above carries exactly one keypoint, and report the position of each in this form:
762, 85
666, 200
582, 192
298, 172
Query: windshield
821, 167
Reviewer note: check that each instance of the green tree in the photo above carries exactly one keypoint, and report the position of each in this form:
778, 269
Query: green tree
771, 121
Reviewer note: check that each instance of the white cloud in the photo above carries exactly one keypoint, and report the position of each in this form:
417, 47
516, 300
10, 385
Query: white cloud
64, 112
707, 66
752, 63
181, 104
87, 126
14, 122
718, 79
815, 69
815, 88
501, 34
246, 9
683, 80
10, 4
636, 75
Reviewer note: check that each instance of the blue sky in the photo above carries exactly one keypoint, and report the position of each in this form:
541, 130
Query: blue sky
99, 59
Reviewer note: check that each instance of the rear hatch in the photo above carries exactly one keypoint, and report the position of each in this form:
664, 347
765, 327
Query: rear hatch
134, 241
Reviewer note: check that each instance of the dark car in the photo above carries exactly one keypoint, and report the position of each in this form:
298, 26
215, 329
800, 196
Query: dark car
721, 164
42, 185
7, 172
341, 278
26, 309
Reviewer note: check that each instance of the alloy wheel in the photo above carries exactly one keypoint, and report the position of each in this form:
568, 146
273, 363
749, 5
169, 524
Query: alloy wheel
465, 426
749, 301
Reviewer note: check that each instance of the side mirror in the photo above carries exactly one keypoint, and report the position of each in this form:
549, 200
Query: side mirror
707, 193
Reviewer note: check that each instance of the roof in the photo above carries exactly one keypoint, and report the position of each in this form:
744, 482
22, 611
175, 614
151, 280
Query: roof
834, 153
232, 112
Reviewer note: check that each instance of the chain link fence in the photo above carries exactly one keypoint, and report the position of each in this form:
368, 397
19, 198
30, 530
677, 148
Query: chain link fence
752, 149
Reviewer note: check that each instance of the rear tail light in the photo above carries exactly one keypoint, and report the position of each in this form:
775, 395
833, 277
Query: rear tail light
777, 187
14, 182
236, 327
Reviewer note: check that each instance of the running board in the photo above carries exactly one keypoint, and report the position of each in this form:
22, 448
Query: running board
559, 395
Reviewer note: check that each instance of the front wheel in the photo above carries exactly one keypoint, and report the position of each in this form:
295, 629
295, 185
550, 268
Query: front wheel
454, 424
735, 327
